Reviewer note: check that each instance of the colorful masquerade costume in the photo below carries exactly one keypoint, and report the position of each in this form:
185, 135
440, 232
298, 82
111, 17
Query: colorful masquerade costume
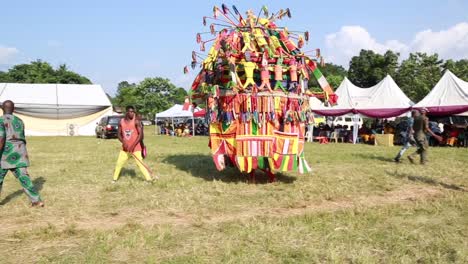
253, 129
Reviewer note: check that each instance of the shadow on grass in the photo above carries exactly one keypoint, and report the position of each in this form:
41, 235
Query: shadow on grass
427, 180
202, 166
128, 173
38, 184
371, 156
134, 174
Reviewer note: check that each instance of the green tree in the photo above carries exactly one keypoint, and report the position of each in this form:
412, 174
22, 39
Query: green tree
4, 77
42, 72
418, 74
369, 68
35, 72
179, 96
333, 69
459, 68
335, 80
126, 95
150, 96
63, 75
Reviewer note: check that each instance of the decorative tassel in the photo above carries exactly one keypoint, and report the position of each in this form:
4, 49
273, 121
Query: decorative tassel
215, 12
212, 29
225, 9
300, 42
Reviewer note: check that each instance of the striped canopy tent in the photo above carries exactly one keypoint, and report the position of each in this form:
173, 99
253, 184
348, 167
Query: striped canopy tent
382, 100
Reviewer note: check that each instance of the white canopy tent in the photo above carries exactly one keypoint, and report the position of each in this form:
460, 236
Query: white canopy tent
57, 109
382, 100
448, 97
177, 111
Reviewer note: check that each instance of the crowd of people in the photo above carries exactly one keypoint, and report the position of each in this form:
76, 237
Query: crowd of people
452, 135
344, 133
182, 129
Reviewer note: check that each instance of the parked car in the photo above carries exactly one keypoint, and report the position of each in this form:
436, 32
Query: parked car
346, 120
146, 122
108, 126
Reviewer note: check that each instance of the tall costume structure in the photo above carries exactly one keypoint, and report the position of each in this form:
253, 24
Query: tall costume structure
254, 83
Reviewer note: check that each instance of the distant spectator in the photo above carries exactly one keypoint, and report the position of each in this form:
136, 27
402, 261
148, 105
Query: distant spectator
420, 128
452, 136
406, 135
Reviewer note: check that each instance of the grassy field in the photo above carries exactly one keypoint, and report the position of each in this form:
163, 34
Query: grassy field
356, 207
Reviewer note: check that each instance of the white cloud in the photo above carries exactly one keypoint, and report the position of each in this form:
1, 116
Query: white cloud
451, 43
346, 43
6, 53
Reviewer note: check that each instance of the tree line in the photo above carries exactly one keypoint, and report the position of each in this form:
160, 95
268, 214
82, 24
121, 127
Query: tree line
150, 96
42, 72
416, 76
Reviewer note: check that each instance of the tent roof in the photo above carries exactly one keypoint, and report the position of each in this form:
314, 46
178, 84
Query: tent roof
384, 99
55, 101
176, 111
54, 94
449, 96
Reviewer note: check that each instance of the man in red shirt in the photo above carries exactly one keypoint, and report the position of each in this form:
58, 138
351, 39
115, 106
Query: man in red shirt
130, 134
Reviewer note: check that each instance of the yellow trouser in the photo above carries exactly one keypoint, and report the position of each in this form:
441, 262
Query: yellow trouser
123, 157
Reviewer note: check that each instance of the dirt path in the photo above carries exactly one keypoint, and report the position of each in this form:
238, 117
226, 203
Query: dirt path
408, 193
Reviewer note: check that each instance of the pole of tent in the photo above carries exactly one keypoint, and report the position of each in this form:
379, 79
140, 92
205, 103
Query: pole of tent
155, 125
311, 133
355, 127
173, 127
310, 129
193, 126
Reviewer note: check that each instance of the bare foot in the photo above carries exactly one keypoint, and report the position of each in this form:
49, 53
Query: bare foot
37, 204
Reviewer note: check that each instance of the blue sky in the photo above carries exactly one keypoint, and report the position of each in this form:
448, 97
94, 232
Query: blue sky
112, 41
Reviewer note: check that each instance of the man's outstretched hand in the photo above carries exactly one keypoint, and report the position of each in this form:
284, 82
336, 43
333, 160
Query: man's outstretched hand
438, 138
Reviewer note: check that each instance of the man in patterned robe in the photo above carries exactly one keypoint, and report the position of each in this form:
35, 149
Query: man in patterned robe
14, 156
